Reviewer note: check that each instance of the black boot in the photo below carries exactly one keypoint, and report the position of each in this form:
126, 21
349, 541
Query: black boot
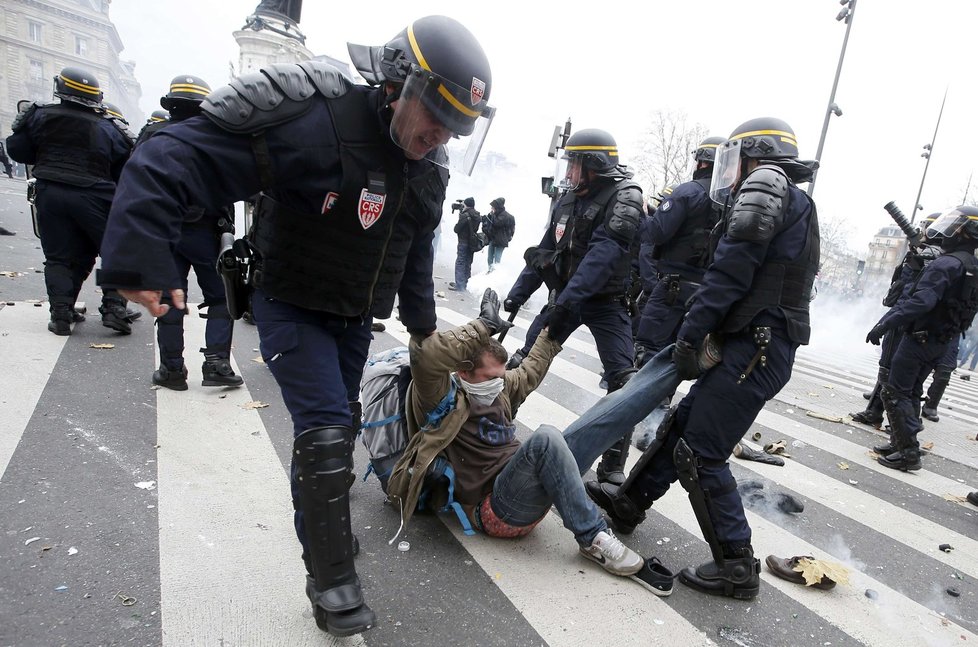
60, 323
218, 372
114, 316
623, 514
905, 460
885, 450
611, 469
868, 417
174, 379
739, 577
929, 412
972, 498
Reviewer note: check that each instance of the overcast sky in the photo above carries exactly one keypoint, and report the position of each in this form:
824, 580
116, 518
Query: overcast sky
721, 61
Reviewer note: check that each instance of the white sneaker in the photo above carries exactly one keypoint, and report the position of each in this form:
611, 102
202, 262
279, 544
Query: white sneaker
613, 555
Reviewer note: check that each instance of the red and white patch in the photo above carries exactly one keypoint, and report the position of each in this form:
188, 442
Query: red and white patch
478, 91
330, 200
559, 231
370, 207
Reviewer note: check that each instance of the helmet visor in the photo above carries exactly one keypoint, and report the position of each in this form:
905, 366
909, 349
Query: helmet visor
430, 112
570, 173
726, 171
948, 224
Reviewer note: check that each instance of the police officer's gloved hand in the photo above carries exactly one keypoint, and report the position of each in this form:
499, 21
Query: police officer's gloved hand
511, 305
876, 334
561, 323
489, 313
684, 356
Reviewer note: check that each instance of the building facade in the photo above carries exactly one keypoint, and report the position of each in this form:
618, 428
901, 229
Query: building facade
886, 251
40, 37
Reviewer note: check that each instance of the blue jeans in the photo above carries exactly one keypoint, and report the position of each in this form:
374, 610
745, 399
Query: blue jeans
463, 266
495, 254
547, 468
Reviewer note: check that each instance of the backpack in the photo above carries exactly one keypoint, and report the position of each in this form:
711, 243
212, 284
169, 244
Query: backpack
479, 241
383, 392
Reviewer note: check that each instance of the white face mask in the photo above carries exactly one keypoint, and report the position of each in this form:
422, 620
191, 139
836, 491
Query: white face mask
484, 393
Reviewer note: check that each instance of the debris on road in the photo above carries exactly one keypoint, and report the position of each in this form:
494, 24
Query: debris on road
102, 346
146, 485
947, 548
822, 416
254, 404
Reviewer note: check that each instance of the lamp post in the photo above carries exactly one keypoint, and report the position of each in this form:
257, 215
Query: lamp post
847, 14
928, 150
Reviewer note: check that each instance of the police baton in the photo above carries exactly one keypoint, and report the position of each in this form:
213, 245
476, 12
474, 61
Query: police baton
512, 318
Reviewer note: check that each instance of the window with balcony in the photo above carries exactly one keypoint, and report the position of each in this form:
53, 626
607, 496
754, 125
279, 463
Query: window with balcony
34, 31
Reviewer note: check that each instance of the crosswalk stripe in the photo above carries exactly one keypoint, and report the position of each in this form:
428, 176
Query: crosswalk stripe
225, 520
25, 374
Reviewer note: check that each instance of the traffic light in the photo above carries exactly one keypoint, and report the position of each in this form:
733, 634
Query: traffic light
860, 266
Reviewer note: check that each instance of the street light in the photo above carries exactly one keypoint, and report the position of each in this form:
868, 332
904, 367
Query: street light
846, 14
928, 149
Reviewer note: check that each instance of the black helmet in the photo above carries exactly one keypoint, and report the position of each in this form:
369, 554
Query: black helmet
157, 116
77, 85
112, 112
707, 150
441, 53
766, 138
596, 148
954, 225
186, 90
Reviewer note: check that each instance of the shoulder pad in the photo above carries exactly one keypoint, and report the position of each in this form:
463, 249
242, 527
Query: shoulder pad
626, 213
276, 94
759, 208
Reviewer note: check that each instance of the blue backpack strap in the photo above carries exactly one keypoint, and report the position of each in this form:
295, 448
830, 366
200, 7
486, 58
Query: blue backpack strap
443, 407
441, 467
381, 423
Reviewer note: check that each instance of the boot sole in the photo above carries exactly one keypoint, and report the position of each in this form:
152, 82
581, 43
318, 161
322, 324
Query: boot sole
365, 623
739, 593
217, 383
125, 329
172, 387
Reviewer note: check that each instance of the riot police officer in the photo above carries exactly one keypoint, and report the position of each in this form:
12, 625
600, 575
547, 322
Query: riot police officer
584, 259
352, 181
756, 293
77, 157
198, 248
941, 306
114, 115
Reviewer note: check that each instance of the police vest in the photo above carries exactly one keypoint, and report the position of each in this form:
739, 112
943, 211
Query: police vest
574, 224
785, 285
956, 310
691, 244
68, 148
349, 260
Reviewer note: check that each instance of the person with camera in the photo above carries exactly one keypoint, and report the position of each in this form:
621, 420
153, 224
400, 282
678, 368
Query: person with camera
469, 242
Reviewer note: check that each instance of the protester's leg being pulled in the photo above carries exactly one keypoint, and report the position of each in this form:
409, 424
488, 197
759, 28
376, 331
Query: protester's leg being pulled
322, 465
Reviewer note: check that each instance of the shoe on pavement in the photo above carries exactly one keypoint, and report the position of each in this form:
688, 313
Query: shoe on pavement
739, 577
614, 556
905, 461
785, 569
377, 326
867, 418
655, 577
114, 316
7, 232
884, 450
929, 414
174, 379
218, 372
972, 498
620, 510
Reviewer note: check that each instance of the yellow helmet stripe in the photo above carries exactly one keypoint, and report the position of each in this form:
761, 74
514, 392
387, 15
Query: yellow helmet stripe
709, 145
113, 113
81, 87
189, 87
611, 150
784, 135
442, 90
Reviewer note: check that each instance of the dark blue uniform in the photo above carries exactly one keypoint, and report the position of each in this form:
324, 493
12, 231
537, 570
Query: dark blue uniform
77, 157
721, 405
679, 232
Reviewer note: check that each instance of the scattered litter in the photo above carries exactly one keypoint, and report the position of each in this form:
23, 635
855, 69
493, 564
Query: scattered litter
102, 346
953, 592
223, 396
872, 454
61, 588
851, 482
927, 445
146, 485
38, 305
957, 576
789, 410
822, 416
756, 436
258, 360
468, 562
657, 621
31, 541
254, 404
871, 594
798, 444
777, 448
814, 395
439, 294
665, 539
46, 548
404, 546
12, 275
966, 378
72, 551
261, 526
827, 386
954, 498
127, 600
843, 465
947, 548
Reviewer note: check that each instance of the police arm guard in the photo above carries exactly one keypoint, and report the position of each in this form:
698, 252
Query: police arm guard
277, 94
235, 264
759, 209
626, 214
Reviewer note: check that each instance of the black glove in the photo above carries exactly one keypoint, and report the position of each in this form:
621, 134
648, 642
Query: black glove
876, 334
511, 305
561, 323
684, 356
489, 313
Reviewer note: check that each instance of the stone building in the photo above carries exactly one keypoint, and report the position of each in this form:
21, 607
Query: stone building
887, 249
40, 37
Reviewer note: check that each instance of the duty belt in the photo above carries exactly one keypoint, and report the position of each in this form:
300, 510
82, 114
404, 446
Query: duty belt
762, 337
676, 283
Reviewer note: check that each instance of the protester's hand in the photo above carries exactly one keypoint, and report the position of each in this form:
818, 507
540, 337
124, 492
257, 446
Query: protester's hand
875, 335
150, 299
561, 323
489, 313
511, 305
684, 356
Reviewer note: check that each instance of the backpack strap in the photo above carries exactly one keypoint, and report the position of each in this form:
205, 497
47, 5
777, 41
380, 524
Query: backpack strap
442, 467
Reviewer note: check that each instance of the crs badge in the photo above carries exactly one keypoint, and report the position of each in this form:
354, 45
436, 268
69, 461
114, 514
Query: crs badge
666, 206
329, 201
370, 207
559, 231
477, 91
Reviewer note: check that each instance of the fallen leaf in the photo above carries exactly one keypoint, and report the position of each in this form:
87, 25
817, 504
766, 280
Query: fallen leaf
101, 346
954, 498
814, 395
827, 386
872, 454
258, 360
843, 465
822, 416
813, 570
927, 445
254, 404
